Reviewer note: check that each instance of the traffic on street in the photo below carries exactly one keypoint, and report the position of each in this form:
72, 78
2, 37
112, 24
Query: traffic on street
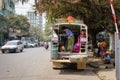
35, 64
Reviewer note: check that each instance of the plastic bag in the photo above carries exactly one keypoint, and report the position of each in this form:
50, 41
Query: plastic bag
76, 47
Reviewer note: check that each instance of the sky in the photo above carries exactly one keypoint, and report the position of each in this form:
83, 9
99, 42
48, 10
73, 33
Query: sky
22, 9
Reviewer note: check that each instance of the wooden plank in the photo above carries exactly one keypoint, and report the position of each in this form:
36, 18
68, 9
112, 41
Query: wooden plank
64, 61
67, 61
56, 65
81, 65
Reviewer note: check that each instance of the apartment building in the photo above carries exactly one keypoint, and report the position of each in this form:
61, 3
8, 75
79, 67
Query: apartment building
7, 7
35, 20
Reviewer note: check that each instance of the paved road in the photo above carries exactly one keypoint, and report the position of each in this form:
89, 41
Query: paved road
34, 64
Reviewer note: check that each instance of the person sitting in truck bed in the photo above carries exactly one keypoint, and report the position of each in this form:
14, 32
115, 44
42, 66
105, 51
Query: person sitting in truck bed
79, 43
70, 38
82, 36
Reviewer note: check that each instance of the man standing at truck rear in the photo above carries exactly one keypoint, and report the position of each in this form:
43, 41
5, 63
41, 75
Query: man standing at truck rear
70, 38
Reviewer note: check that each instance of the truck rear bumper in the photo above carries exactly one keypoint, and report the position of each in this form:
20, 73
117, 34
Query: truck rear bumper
59, 63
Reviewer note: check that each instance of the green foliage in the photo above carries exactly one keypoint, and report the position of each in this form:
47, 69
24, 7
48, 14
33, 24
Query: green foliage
3, 20
48, 29
19, 22
94, 12
36, 31
46, 38
3, 24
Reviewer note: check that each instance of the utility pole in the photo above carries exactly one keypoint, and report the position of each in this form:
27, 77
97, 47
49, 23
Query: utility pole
117, 56
117, 44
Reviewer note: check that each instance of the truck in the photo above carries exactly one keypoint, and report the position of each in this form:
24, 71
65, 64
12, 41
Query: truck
59, 56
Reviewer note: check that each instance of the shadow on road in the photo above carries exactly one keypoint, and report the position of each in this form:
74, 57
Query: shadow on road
93, 67
72, 70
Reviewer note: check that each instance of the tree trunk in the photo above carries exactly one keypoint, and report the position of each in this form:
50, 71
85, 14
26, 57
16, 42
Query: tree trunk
112, 45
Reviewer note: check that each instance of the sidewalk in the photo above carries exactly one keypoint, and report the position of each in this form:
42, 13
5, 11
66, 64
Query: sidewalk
103, 71
107, 74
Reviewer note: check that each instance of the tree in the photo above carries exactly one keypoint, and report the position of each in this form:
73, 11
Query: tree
48, 31
36, 32
95, 13
19, 22
3, 23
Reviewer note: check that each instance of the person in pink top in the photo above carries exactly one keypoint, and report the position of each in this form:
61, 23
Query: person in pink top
80, 41
81, 37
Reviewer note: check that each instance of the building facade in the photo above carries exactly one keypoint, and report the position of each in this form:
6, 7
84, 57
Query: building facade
35, 20
7, 7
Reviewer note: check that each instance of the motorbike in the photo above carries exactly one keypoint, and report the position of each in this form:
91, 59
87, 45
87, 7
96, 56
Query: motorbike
46, 45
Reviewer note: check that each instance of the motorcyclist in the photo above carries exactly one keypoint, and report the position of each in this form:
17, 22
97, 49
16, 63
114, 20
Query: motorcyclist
46, 45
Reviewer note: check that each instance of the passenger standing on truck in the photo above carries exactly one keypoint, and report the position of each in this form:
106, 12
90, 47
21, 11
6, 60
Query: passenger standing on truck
70, 38
79, 42
81, 37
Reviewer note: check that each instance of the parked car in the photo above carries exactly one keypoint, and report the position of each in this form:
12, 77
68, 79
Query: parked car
32, 45
36, 44
25, 44
12, 46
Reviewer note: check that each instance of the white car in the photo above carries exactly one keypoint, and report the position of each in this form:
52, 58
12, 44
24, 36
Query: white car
32, 45
12, 46
24, 44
